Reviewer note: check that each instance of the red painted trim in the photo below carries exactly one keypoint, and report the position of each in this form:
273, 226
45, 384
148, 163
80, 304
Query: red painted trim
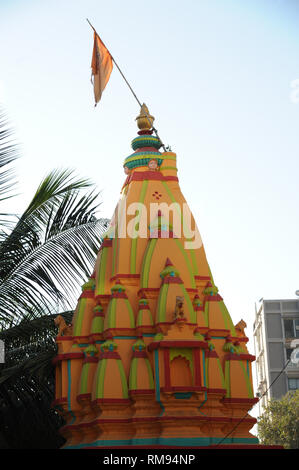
58, 401
142, 391
178, 344
144, 307
64, 338
65, 356
239, 357
184, 389
191, 290
217, 391
107, 243
99, 314
125, 276
109, 355
140, 354
93, 337
90, 359
119, 295
151, 176
196, 367
163, 234
87, 294
249, 401
156, 419
204, 418
172, 323
147, 149
110, 420
243, 339
102, 297
140, 419
167, 368
180, 320
111, 400
81, 339
146, 328
218, 332
202, 278
212, 354
170, 178
84, 396
146, 132
110, 332
213, 298
172, 280
148, 289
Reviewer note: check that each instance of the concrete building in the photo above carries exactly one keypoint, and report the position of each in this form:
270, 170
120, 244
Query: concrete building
276, 325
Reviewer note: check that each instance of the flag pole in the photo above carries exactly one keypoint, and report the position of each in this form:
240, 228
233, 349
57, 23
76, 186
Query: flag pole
131, 89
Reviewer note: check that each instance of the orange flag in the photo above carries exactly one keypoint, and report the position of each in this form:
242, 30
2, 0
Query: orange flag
101, 66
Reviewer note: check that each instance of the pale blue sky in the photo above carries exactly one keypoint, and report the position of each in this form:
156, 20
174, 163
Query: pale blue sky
217, 76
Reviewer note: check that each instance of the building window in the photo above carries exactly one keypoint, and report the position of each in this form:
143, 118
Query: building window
291, 328
293, 384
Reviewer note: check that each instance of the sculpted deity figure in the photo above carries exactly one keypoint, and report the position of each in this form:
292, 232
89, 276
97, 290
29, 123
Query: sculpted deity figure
179, 308
153, 165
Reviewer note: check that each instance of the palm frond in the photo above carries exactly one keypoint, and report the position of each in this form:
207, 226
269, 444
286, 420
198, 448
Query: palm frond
45, 254
56, 186
9, 152
52, 248
27, 384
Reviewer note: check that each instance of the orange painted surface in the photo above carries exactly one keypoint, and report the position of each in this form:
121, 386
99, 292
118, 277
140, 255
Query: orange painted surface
153, 353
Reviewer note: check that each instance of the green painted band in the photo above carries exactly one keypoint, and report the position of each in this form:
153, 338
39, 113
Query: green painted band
147, 262
162, 303
84, 378
125, 393
100, 378
135, 240
80, 315
195, 267
102, 271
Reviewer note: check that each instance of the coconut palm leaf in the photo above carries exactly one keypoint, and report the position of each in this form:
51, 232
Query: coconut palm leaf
27, 384
45, 255
9, 152
51, 249
30, 348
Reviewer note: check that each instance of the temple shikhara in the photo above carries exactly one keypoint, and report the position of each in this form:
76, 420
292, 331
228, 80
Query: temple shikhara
152, 358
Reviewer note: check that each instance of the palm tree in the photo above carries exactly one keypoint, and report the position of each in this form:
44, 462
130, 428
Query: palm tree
45, 255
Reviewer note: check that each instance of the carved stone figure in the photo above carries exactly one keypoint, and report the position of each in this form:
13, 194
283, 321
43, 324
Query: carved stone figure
179, 308
63, 328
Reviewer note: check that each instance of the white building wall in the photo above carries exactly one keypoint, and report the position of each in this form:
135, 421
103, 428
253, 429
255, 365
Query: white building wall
271, 346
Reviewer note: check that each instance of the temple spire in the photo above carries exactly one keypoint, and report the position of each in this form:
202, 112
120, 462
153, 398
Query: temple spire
171, 370
144, 119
